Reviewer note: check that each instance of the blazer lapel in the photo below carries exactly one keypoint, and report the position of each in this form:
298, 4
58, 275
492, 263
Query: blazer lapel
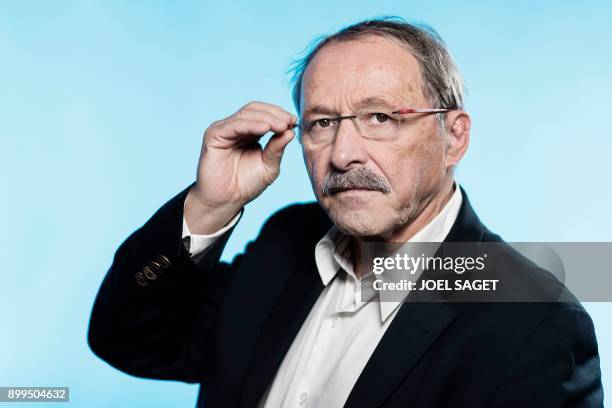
297, 298
413, 330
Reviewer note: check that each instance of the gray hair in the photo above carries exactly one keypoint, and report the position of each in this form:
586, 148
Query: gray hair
441, 80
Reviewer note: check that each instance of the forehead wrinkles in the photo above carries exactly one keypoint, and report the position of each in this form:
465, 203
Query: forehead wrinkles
345, 92
349, 72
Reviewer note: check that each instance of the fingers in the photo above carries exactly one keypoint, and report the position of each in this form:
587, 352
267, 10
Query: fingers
275, 110
251, 121
276, 125
247, 127
273, 152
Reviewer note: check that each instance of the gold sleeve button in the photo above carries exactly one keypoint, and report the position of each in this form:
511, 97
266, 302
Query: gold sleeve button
148, 273
140, 278
155, 267
163, 261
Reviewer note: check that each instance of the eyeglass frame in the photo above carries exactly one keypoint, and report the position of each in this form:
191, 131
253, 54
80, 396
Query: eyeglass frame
400, 111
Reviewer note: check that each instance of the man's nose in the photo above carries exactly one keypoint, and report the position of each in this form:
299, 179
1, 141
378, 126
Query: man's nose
348, 149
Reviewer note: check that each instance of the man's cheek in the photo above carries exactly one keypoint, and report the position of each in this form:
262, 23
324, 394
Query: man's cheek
311, 170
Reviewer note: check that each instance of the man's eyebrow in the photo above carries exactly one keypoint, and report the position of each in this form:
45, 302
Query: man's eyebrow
375, 101
319, 109
370, 101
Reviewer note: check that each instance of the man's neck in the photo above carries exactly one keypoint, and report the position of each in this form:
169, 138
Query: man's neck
428, 212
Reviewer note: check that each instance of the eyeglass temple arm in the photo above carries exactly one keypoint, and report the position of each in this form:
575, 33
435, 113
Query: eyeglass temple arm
413, 110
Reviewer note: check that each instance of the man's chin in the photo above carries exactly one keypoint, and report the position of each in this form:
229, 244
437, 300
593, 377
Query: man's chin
360, 222
354, 199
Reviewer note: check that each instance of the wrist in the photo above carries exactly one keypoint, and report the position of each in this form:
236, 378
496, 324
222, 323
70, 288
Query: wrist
203, 218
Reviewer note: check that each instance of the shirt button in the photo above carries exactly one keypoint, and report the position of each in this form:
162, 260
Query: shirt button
334, 322
304, 399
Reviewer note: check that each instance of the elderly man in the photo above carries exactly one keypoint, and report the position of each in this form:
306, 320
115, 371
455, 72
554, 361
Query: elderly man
382, 128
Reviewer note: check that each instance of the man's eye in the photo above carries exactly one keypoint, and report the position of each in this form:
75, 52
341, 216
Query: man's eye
380, 117
322, 123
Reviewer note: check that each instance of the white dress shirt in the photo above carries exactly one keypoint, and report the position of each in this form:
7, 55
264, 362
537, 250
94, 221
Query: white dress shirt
341, 332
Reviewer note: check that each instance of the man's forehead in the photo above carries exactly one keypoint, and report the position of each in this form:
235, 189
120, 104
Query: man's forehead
377, 101
376, 71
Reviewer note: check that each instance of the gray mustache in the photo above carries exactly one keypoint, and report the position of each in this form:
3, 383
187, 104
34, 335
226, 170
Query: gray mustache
361, 178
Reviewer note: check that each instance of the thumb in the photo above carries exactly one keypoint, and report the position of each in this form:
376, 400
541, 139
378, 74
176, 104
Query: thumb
273, 152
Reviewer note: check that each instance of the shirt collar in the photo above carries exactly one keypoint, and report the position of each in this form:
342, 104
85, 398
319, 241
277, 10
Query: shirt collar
332, 252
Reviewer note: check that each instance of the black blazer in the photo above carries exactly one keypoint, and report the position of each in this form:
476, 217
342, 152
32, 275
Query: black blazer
229, 326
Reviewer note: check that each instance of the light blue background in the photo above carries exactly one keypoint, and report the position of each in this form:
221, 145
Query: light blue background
102, 110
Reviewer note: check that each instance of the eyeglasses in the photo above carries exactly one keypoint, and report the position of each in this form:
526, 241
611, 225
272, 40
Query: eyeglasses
373, 125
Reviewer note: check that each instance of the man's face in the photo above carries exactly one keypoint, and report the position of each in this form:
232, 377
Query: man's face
339, 78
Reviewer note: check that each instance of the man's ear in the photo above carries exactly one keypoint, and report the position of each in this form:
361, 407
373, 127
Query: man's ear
457, 125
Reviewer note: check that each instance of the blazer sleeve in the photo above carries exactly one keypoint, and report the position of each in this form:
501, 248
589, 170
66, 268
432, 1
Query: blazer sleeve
558, 365
156, 309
